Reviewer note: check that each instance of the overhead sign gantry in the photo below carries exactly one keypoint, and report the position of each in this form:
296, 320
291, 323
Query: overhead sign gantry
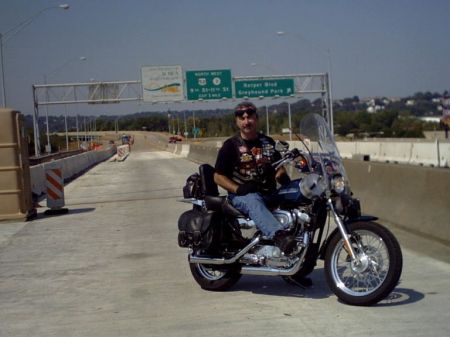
166, 84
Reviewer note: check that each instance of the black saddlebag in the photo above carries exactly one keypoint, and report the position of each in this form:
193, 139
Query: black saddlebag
195, 229
193, 187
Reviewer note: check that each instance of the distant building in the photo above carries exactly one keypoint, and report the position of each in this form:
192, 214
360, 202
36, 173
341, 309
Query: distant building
376, 104
430, 119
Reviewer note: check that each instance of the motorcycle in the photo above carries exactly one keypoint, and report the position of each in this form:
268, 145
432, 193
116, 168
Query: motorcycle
362, 259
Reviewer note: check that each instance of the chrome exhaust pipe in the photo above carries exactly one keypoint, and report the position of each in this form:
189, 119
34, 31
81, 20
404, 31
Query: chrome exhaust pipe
209, 260
268, 271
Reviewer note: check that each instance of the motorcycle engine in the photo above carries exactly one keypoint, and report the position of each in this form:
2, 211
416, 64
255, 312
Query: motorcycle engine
271, 255
265, 256
291, 218
288, 218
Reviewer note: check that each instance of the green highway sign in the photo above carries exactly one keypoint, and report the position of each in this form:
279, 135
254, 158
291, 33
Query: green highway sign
264, 88
195, 131
208, 84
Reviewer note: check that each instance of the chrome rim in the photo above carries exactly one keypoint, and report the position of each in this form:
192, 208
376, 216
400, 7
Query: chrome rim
368, 271
209, 273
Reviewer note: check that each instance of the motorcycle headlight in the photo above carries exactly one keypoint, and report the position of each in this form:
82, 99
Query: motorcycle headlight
338, 183
312, 186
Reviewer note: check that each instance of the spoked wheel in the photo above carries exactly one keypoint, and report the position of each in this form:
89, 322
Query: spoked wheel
374, 273
213, 277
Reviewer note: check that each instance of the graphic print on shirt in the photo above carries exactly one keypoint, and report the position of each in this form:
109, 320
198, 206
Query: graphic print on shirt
252, 162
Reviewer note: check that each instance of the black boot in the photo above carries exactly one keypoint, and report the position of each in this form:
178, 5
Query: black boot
285, 242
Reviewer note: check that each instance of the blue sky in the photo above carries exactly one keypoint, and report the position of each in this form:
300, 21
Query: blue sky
377, 48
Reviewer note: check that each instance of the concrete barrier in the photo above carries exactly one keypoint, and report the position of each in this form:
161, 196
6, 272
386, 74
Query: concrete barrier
178, 149
371, 149
171, 148
203, 154
122, 152
185, 148
71, 167
424, 153
394, 152
347, 149
411, 197
444, 154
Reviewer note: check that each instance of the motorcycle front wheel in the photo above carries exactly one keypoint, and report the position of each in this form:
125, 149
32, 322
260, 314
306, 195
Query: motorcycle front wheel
213, 277
374, 273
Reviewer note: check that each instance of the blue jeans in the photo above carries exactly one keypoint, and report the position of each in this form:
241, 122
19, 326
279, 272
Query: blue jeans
253, 205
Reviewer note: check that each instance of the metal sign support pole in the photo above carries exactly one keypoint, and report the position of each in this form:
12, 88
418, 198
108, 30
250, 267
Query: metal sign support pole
290, 121
37, 145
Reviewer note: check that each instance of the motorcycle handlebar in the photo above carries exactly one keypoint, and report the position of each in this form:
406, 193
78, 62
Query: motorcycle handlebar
287, 157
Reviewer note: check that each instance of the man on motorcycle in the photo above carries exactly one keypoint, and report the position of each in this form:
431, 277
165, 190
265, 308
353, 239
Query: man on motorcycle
243, 168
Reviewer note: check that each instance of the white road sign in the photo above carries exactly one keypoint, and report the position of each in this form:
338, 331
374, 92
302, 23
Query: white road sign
162, 84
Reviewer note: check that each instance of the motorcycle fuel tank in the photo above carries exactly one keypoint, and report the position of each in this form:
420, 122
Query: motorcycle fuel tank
291, 193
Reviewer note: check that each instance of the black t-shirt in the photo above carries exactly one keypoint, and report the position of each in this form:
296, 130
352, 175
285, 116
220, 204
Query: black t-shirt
249, 160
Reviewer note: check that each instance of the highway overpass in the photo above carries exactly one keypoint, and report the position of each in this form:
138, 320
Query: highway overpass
112, 267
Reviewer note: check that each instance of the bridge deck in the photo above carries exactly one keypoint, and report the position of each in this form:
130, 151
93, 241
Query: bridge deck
112, 267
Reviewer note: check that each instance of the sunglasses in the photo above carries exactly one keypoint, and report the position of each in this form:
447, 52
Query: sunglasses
241, 112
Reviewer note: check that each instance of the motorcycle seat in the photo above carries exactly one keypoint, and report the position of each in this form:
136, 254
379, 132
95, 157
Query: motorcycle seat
221, 204
213, 201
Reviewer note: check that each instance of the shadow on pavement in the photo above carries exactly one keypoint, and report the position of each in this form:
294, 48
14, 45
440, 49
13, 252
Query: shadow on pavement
41, 215
276, 286
81, 210
401, 296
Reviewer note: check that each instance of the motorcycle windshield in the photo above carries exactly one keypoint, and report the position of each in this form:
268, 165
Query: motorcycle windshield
320, 142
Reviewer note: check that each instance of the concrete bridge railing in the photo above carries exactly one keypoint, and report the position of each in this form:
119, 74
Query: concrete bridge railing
71, 167
435, 153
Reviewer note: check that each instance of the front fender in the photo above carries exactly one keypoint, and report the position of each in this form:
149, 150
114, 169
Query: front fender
362, 218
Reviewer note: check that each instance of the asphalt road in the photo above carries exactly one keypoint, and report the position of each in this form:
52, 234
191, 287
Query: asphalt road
112, 267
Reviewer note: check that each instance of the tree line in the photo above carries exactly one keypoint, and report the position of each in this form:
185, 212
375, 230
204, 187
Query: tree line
351, 120
396, 118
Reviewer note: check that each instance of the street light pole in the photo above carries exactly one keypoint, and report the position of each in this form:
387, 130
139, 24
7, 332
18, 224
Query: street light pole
3, 71
195, 129
290, 121
328, 77
81, 58
13, 31
48, 148
185, 125
37, 141
78, 135
330, 97
65, 124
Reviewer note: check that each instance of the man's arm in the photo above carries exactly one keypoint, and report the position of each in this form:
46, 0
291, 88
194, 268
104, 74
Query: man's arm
282, 177
226, 158
233, 187
225, 182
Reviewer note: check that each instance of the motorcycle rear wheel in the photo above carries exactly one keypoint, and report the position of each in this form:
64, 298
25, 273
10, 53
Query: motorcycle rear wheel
215, 278
374, 274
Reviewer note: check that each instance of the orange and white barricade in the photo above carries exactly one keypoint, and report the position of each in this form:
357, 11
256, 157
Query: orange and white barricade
55, 189
122, 152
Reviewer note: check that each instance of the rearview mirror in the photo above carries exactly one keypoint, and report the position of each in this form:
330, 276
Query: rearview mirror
281, 146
